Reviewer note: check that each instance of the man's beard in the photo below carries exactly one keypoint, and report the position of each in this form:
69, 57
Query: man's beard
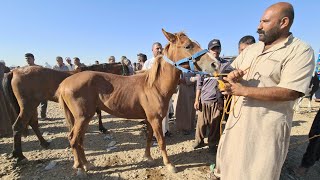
269, 36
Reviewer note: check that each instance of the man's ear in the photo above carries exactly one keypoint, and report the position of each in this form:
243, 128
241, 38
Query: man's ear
284, 22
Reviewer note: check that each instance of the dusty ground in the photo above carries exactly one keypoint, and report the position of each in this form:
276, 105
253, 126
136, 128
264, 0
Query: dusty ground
126, 161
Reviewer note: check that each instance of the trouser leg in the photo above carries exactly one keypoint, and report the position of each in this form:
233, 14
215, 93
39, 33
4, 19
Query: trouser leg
214, 118
312, 153
201, 127
43, 107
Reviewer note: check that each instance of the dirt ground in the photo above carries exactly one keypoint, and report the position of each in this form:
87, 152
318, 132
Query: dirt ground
126, 161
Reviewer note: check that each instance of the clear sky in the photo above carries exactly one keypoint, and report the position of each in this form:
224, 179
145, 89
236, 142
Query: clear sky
94, 30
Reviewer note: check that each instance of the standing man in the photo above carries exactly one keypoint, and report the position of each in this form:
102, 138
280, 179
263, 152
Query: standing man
256, 138
6, 69
125, 61
134, 66
60, 65
5, 110
185, 113
30, 59
77, 63
69, 64
156, 51
209, 102
312, 153
244, 42
112, 59
142, 58
44, 104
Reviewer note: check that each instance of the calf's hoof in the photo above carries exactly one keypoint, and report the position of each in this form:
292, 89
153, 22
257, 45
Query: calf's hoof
104, 131
76, 165
88, 166
81, 173
19, 157
171, 168
148, 158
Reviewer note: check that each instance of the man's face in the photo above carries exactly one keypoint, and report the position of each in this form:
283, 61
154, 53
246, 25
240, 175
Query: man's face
156, 50
60, 61
215, 51
30, 61
112, 60
77, 62
242, 46
140, 59
69, 61
126, 61
269, 27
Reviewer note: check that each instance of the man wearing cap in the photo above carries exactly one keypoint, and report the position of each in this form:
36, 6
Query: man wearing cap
214, 48
60, 65
69, 64
209, 101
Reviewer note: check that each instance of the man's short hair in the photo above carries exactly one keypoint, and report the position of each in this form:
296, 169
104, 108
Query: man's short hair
143, 56
76, 58
247, 40
29, 55
2, 62
289, 12
59, 57
156, 43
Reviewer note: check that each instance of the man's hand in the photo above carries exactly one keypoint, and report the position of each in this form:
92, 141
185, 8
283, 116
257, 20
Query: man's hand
196, 105
232, 85
235, 76
232, 88
193, 79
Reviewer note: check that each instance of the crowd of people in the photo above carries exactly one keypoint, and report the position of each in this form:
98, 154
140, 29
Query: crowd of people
68, 65
265, 79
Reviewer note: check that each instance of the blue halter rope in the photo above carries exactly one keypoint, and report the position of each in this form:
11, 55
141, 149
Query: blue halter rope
191, 60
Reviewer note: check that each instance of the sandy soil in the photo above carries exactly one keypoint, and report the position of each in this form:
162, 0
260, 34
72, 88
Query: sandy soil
126, 161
